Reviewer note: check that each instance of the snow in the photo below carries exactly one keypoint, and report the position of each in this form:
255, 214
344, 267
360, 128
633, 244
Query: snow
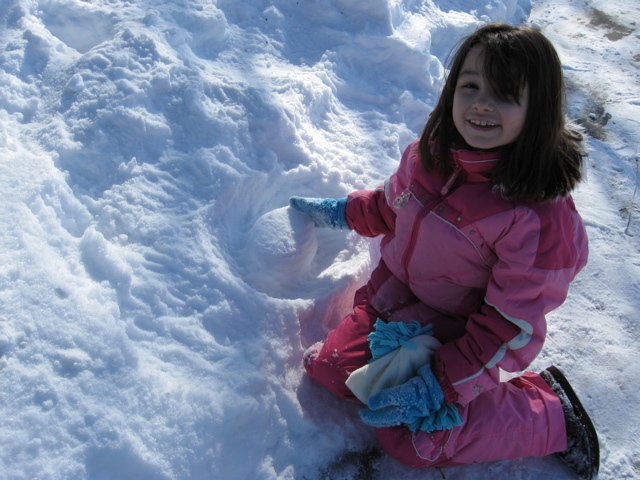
157, 296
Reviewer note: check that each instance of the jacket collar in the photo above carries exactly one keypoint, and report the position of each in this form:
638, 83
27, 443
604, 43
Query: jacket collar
476, 165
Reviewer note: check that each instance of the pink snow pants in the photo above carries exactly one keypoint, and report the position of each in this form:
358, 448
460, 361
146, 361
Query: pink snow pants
519, 418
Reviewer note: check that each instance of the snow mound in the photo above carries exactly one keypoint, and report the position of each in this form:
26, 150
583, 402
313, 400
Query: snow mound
280, 249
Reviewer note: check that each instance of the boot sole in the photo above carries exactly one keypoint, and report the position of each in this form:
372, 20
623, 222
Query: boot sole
581, 413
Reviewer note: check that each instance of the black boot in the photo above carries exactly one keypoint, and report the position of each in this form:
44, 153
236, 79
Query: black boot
582, 455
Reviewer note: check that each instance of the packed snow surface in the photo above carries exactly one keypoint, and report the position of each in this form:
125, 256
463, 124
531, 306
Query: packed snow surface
157, 295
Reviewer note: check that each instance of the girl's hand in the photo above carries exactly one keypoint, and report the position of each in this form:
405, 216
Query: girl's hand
325, 212
418, 403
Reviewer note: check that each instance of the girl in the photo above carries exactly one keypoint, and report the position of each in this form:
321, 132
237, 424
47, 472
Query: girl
481, 241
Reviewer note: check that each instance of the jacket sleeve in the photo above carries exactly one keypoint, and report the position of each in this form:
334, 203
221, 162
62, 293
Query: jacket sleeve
369, 212
538, 257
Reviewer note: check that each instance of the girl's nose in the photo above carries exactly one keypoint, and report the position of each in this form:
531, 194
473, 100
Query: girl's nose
483, 102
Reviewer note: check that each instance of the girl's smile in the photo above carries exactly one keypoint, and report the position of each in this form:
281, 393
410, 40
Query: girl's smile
482, 119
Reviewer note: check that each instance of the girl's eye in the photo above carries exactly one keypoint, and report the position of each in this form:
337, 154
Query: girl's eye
469, 86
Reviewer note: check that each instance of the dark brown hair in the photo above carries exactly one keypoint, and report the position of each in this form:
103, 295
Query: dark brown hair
545, 161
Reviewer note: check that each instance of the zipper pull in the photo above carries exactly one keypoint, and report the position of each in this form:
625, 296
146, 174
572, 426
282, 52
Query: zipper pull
447, 186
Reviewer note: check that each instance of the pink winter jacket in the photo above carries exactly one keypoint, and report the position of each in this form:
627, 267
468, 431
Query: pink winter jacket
483, 269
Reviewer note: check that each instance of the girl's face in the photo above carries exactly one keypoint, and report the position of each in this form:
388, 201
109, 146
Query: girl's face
483, 120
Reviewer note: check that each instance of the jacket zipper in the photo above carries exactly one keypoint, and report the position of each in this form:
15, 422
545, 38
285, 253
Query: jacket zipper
447, 186
408, 253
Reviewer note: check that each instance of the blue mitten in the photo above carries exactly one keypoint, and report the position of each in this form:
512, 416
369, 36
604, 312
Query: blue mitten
444, 419
325, 212
405, 404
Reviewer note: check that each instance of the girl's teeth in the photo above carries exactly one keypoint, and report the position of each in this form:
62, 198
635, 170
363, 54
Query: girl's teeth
482, 124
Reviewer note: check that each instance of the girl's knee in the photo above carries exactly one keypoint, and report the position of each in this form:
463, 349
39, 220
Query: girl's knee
322, 363
416, 450
346, 348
